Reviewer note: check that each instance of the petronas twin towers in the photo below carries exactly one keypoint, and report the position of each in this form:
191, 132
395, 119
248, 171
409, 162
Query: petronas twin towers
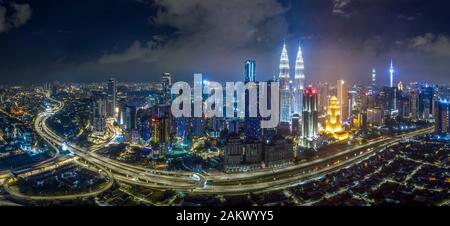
291, 97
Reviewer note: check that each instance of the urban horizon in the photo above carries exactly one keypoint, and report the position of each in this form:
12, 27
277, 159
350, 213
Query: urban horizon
279, 108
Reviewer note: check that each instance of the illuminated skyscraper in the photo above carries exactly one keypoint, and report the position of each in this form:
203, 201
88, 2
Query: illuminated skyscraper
99, 114
252, 125
333, 123
310, 115
285, 91
426, 102
414, 102
389, 98
166, 79
299, 82
250, 71
112, 95
400, 86
342, 97
442, 121
391, 72
374, 79
295, 123
166, 85
324, 96
161, 134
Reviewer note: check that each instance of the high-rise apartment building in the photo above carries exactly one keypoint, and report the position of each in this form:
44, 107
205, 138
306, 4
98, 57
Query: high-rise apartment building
310, 114
342, 97
112, 97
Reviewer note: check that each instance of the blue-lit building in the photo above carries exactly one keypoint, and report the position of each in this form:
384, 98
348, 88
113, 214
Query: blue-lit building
391, 75
268, 134
252, 125
145, 127
373, 86
252, 128
426, 102
299, 83
390, 95
166, 85
233, 126
181, 124
250, 71
285, 88
112, 96
198, 127
128, 117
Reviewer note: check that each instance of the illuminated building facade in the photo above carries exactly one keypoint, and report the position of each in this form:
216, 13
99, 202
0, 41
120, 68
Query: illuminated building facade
391, 74
112, 95
375, 116
324, 97
342, 97
413, 102
310, 116
166, 85
426, 103
295, 124
252, 125
161, 133
333, 122
285, 91
442, 122
374, 80
99, 114
299, 82
250, 71
400, 86
242, 156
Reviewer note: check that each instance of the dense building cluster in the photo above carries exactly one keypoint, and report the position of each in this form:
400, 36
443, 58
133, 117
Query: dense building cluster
310, 116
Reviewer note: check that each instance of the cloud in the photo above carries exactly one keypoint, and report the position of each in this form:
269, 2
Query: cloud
339, 7
3, 22
20, 15
429, 42
405, 17
207, 32
136, 51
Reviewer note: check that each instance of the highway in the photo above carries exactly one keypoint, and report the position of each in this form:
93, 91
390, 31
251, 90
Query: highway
296, 174
238, 183
123, 172
18, 195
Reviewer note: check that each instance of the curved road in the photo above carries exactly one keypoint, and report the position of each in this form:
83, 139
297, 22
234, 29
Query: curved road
16, 194
259, 181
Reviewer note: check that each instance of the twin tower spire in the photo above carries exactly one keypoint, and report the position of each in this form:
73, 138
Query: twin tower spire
299, 64
291, 97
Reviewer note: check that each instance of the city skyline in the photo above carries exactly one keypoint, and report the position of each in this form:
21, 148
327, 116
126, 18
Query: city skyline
217, 103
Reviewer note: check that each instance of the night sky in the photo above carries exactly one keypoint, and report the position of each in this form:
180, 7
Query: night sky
137, 40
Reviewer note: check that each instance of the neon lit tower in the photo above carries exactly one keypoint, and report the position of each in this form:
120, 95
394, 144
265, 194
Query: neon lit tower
374, 78
391, 72
250, 71
285, 92
299, 82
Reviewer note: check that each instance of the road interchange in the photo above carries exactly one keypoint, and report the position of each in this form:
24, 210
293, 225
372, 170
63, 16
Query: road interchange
237, 183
